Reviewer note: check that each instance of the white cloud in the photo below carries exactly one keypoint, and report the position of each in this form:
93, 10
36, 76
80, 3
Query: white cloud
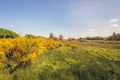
114, 20
92, 30
91, 33
11, 25
114, 25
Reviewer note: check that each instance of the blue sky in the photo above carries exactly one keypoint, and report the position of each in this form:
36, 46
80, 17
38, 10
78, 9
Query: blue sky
72, 18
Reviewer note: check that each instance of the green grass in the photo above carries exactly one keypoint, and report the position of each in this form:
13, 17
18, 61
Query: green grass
70, 63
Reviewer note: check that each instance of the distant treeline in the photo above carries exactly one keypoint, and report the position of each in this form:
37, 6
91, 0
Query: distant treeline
5, 33
115, 36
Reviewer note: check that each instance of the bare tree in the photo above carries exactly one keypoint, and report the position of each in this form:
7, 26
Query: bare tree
51, 36
61, 37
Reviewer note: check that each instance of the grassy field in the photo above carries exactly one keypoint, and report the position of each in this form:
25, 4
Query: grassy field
72, 61
97, 43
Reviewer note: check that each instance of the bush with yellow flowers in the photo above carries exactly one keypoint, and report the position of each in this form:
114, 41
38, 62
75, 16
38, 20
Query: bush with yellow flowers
51, 44
20, 51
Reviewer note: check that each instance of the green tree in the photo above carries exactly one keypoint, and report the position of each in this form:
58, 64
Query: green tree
5, 33
30, 36
114, 37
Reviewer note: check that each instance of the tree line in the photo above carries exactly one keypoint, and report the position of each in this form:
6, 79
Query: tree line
5, 33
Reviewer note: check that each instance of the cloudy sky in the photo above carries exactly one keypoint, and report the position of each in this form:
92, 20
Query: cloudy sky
72, 18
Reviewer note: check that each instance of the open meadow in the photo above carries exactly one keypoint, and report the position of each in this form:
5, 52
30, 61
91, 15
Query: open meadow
46, 59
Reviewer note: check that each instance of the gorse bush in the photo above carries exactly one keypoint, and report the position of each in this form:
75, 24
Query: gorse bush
19, 52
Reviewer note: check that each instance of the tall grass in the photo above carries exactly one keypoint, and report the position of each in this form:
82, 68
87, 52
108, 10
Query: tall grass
72, 63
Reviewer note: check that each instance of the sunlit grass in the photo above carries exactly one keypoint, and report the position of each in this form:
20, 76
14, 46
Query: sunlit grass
70, 62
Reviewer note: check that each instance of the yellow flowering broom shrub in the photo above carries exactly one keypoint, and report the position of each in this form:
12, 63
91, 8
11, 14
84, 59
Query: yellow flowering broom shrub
21, 51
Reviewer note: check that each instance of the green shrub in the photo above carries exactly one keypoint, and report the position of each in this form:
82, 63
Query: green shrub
4, 33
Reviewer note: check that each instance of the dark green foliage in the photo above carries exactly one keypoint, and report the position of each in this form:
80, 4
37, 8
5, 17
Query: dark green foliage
71, 39
4, 33
94, 38
114, 37
81, 39
15, 77
30, 36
